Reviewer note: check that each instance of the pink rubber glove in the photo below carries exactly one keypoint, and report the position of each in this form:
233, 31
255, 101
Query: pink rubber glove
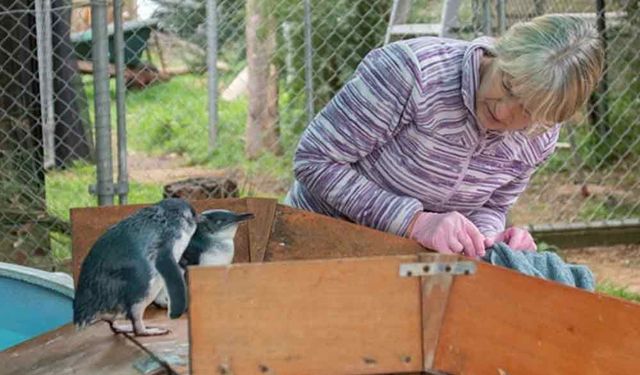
448, 232
516, 238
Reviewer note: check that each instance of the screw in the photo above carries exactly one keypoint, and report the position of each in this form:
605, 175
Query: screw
263, 368
447, 268
426, 269
369, 361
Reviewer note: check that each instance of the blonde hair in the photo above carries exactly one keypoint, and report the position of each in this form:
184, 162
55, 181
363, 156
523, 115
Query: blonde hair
554, 63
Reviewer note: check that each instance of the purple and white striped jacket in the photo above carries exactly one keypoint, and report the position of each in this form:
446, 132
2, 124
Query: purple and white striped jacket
401, 137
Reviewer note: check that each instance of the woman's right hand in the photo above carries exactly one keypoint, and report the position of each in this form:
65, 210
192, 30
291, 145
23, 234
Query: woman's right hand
448, 232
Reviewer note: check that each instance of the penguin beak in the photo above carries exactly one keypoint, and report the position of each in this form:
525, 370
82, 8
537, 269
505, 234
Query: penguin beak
244, 217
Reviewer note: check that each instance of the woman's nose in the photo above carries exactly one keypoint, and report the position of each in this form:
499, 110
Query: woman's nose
507, 110
511, 112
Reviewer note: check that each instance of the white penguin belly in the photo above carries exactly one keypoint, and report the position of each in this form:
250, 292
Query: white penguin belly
216, 258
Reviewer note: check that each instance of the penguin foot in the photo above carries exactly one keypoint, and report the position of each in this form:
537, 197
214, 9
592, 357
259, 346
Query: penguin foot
136, 329
119, 328
153, 331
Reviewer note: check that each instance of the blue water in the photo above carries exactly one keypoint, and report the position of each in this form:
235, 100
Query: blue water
28, 310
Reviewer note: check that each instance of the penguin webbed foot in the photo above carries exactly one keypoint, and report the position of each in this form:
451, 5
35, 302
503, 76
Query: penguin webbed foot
153, 331
119, 328
137, 328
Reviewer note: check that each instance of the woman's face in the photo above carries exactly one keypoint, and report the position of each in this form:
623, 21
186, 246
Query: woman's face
496, 106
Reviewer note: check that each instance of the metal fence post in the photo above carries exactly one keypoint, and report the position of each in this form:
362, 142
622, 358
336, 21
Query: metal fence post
118, 34
486, 17
45, 78
212, 71
100, 57
502, 16
308, 60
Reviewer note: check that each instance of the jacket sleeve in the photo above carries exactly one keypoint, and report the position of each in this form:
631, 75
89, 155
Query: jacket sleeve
368, 111
491, 217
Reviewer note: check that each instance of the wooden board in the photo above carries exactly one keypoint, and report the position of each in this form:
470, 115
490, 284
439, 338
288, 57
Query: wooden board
502, 322
357, 316
301, 234
341, 316
96, 350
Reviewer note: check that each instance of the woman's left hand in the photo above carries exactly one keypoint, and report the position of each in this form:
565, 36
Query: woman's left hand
516, 238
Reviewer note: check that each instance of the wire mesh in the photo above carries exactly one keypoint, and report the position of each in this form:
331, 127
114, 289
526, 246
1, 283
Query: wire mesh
264, 103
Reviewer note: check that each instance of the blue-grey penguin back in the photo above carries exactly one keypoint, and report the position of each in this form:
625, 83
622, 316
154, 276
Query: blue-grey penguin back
117, 272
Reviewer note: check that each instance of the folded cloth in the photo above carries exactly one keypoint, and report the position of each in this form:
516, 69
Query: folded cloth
545, 264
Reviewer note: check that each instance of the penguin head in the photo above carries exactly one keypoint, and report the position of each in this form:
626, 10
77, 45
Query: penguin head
181, 211
221, 223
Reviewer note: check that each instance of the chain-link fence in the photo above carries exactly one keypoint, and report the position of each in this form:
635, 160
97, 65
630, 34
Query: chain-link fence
274, 63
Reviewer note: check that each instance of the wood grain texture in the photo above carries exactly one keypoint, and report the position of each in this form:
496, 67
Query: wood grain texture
300, 234
260, 227
348, 316
502, 322
96, 350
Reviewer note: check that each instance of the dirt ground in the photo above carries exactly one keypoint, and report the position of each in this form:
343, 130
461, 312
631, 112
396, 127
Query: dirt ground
619, 264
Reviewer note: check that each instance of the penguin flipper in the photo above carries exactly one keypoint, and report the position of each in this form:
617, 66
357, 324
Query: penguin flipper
174, 283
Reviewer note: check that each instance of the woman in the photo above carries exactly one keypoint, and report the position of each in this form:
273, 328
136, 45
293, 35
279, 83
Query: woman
435, 139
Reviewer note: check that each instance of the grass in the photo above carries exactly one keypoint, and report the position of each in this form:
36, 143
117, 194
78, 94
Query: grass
612, 289
70, 188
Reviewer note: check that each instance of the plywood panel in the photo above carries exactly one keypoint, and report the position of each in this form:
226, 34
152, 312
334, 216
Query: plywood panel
305, 235
501, 322
350, 316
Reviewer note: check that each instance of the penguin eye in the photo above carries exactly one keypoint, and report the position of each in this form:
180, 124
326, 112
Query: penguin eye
218, 221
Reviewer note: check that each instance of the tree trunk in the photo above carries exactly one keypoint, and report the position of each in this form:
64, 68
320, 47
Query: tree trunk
262, 133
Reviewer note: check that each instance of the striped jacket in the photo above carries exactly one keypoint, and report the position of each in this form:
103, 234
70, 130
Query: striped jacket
401, 137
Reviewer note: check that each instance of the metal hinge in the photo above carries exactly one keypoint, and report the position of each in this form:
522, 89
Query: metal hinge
437, 268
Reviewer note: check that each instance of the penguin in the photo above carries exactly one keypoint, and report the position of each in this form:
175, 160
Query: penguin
131, 263
212, 243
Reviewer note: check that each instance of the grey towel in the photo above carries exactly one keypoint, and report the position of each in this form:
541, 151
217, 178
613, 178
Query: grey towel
546, 265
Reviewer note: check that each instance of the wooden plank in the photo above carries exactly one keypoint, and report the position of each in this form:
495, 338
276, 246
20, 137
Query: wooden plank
260, 227
351, 316
96, 350
300, 234
501, 322
87, 224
